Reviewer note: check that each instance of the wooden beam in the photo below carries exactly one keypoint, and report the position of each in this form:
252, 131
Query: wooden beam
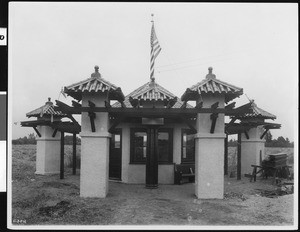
171, 102
146, 111
215, 105
199, 105
213, 117
116, 94
107, 104
62, 152
239, 155
62, 106
76, 104
246, 134
226, 155
123, 104
189, 123
74, 154
72, 118
134, 102
232, 121
91, 104
265, 132
36, 130
230, 106
92, 116
54, 133
183, 105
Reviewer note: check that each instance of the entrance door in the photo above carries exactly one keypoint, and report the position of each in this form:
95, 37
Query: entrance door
115, 155
152, 158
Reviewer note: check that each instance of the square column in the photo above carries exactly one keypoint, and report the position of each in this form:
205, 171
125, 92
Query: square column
94, 164
209, 153
94, 150
251, 149
47, 151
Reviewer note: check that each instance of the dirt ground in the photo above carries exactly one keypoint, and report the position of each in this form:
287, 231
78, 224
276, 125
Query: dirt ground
51, 201
47, 200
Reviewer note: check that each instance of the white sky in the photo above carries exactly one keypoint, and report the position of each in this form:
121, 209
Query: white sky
253, 46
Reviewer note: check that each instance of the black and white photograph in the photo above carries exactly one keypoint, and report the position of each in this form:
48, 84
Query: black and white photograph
152, 116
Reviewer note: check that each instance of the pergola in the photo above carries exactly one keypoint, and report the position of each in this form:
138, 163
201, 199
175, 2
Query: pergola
152, 106
251, 116
45, 115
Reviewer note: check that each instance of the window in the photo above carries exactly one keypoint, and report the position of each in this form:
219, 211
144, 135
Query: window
188, 147
138, 145
117, 140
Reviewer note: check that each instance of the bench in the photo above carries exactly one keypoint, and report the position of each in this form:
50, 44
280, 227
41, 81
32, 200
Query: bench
276, 172
184, 172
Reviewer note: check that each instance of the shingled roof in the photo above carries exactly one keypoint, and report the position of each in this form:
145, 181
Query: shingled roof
151, 91
255, 112
47, 109
211, 85
94, 84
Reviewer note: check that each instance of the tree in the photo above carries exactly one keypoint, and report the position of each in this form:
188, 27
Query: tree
269, 137
25, 140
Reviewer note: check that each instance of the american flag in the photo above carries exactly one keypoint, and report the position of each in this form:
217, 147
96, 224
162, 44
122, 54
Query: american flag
155, 50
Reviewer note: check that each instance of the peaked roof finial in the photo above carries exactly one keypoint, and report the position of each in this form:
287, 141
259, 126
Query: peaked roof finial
96, 73
49, 101
152, 15
210, 74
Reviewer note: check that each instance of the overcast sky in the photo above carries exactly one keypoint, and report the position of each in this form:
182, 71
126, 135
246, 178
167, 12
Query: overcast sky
253, 46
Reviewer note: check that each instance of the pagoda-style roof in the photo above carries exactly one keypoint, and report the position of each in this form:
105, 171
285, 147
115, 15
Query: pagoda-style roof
211, 85
69, 127
47, 109
94, 84
151, 91
253, 111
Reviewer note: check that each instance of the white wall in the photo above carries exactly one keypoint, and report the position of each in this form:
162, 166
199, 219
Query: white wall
135, 173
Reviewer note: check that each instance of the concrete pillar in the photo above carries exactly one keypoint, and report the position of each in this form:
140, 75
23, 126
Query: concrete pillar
94, 150
209, 153
47, 151
251, 149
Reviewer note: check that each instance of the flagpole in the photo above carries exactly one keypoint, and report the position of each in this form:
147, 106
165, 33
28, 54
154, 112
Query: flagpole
155, 50
152, 78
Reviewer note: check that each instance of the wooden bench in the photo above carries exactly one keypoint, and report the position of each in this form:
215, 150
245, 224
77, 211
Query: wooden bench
184, 172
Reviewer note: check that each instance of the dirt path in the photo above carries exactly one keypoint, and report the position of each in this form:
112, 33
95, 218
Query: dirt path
47, 200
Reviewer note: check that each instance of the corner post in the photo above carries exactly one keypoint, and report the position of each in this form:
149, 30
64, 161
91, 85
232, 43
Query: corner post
209, 152
62, 153
74, 154
94, 149
251, 149
239, 155
47, 151
226, 155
